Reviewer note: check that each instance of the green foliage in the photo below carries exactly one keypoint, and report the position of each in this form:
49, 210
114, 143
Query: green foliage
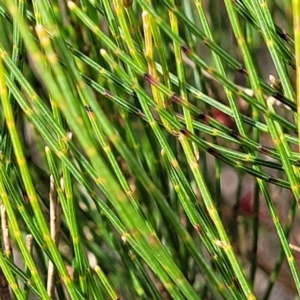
149, 150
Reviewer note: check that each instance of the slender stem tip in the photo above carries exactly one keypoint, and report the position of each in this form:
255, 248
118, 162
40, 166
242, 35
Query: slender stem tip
71, 4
